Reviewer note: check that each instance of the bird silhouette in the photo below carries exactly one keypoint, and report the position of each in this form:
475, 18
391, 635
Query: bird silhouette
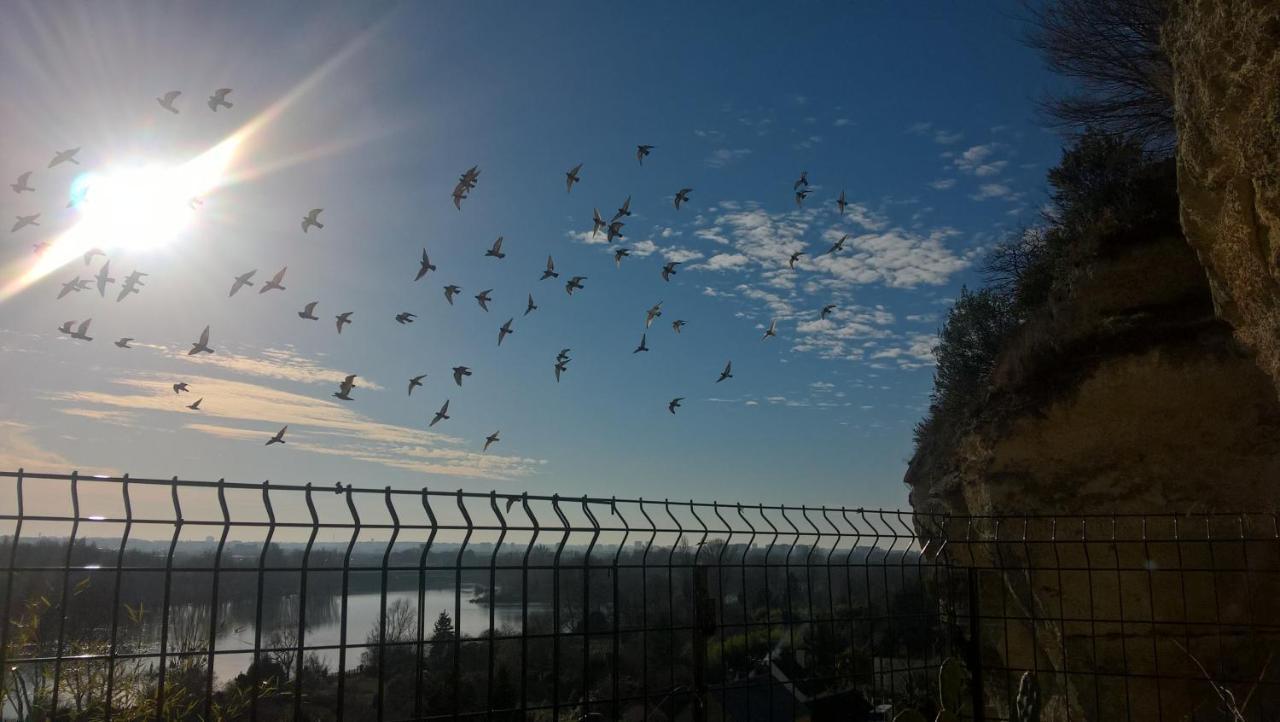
466, 182
771, 331
826, 310
574, 283
132, 283
405, 317
166, 100
459, 372
496, 250
841, 202
838, 245
489, 441
450, 291
89, 254
415, 382
22, 185
615, 231
571, 177
24, 221
803, 180
675, 404
669, 270
311, 220
550, 272
66, 327
343, 318
202, 345
81, 331
505, 330
274, 283
561, 367
563, 355
727, 373
791, 262
180, 387
241, 281
642, 151
643, 345
219, 99
278, 438
72, 286
483, 299
443, 413
623, 210
619, 254
652, 313
682, 196
65, 156
424, 266
677, 325
195, 405
800, 196
531, 307
344, 388
124, 342
597, 223
309, 312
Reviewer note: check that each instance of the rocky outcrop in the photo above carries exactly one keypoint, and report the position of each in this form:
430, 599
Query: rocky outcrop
1226, 60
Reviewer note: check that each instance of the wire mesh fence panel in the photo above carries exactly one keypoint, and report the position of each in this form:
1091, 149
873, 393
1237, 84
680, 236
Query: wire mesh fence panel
139, 599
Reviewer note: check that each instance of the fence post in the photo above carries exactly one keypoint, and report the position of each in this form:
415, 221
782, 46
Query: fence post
704, 626
975, 648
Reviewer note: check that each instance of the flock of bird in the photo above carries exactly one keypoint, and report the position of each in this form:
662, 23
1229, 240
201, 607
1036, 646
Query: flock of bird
467, 182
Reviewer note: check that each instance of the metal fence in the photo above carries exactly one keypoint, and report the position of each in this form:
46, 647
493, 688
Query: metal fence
133, 599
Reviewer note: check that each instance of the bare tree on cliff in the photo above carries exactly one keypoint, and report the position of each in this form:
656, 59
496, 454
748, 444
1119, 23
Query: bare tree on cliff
1112, 49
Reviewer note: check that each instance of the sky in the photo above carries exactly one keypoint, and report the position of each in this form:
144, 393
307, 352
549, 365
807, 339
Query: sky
924, 114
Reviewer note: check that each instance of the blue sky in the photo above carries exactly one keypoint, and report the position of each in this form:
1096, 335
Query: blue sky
924, 115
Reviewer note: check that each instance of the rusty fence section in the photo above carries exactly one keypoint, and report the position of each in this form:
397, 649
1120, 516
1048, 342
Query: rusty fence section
140, 599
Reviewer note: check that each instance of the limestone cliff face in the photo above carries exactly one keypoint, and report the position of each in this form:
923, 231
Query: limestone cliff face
1226, 60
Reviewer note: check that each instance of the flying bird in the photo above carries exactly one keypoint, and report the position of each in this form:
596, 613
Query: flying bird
466, 182
103, 278
415, 382
274, 283
344, 388
219, 99
791, 262
443, 413
682, 196
124, 342
449, 292
496, 250
800, 196
531, 307
458, 195
241, 281
838, 245
180, 387
615, 231
826, 310
66, 327
201, 346
312, 219
561, 366
65, 156
424, 266
642, 346
459, 372
841, 202
652, 313
642, 151
195, 405
727, 373
21, 184
70, 286
574, 283
483, 299
489, 441
677, 325
132, 283
551, 270
675, 404
571, 177
89, 254
505, 330
166, 100
771, 331
24, 221
619, 254
40, 248
623, 210
405, 317
803, 180
669, 270
343, 318
309, 312
81, 331
598, 223
563, 355
278, 438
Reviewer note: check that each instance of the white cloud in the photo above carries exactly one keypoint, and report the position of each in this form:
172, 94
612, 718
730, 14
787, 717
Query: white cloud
640, 249
943, 137
724, 262
587, 237
722, 157
840, 122
680, 255
990, 169
943, 183
992, 190
974, 157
